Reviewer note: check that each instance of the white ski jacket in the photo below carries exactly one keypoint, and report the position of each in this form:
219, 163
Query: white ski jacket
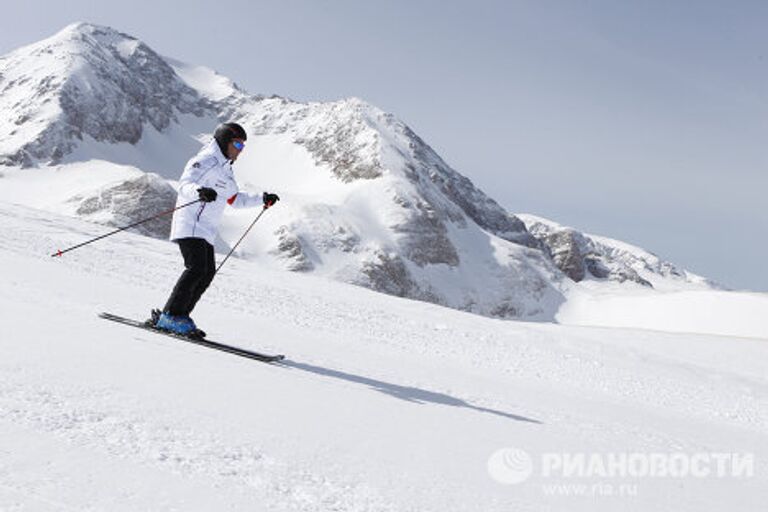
209, 168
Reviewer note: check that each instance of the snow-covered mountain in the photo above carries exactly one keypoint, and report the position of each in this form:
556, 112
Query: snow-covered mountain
584, 256
86, 82
365, 200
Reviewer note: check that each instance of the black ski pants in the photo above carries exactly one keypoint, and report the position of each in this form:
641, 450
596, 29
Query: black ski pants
200, 268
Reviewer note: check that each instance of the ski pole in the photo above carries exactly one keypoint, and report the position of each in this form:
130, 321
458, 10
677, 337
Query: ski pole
241, 239
60, 252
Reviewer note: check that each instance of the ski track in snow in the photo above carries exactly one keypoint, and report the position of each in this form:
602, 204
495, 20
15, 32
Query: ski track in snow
543, 386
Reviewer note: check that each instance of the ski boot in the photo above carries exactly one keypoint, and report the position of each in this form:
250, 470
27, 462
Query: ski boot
175, 324
196, 332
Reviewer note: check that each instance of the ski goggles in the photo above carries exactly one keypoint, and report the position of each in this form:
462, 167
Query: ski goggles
239, 145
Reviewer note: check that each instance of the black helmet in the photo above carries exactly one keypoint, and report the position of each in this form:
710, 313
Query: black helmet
226, 132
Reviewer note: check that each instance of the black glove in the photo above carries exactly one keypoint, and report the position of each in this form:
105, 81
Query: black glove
207, 195
270, 199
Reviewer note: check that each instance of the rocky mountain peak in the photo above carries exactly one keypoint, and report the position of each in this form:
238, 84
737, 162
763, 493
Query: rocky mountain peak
86, 80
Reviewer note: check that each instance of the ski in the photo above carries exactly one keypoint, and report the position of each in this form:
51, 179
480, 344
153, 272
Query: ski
266, 358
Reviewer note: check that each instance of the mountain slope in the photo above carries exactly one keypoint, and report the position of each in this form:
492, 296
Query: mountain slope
582, 255
365, 199
88, 81
385, 404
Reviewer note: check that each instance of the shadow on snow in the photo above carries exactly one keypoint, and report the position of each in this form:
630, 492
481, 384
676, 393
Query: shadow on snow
408, 393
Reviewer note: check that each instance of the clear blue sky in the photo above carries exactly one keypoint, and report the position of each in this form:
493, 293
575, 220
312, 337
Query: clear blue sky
643, 121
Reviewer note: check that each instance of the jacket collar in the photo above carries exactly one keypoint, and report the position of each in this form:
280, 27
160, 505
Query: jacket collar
214, 150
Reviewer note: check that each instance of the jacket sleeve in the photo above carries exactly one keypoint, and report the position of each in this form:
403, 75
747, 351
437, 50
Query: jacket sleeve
193, 174
245, 200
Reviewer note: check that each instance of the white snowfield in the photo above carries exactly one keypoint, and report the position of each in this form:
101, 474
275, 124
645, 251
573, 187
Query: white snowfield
382, 403
742, 314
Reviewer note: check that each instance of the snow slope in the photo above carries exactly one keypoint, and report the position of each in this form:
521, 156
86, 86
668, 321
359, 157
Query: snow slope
384, 403
702, 311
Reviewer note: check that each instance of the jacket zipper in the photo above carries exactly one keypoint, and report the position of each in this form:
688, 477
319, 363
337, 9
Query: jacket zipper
199, 213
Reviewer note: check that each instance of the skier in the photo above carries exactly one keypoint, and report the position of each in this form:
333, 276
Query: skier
209, 177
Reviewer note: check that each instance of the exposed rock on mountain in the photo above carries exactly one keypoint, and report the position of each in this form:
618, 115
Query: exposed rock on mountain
127, 202
580, 255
